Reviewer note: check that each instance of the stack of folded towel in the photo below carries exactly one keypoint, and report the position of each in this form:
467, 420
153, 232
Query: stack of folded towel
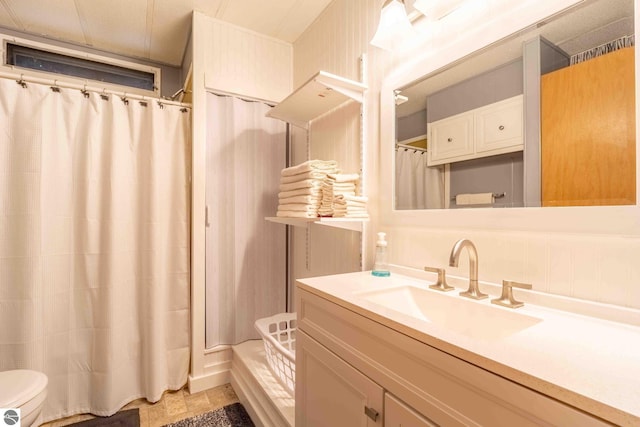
335, 185
301, 188
349, 206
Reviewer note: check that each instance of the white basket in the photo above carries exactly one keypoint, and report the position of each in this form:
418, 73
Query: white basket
279, 336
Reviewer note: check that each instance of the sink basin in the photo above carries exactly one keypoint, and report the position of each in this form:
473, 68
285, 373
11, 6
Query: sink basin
452, 312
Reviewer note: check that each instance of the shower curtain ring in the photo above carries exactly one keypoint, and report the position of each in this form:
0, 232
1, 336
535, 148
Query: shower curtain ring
21, 82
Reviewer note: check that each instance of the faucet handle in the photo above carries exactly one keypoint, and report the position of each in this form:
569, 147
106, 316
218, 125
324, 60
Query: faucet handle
441, 284
506, 299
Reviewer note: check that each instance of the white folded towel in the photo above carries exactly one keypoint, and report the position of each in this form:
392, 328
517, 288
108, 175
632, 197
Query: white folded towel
330, 166
352, 198
309, 200
344, 177
296, 214
298, 207
345, 189
302, 176
308, 191
475, 199
344, 208
307, 183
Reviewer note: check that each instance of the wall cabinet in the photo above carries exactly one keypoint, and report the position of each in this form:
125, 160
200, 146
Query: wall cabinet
486, 131
589, 132
346, 361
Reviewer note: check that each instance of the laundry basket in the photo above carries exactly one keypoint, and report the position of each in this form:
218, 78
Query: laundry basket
279, 336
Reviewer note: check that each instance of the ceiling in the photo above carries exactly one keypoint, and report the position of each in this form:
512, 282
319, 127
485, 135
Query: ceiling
155, 30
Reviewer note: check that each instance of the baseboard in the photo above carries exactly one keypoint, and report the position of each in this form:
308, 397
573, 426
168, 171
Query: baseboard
266, 401
216, 370
207, 381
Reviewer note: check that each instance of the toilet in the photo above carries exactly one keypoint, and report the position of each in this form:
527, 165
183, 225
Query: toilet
26, 390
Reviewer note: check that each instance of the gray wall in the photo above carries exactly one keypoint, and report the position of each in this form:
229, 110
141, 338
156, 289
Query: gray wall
412, 125
493, 86
495, 174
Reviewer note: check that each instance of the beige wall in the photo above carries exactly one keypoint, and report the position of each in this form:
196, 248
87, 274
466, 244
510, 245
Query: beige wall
589, 254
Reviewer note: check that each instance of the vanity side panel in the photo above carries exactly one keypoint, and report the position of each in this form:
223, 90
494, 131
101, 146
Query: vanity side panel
443, 388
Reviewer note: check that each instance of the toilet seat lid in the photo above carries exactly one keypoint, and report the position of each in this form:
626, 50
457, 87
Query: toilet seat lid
19, 386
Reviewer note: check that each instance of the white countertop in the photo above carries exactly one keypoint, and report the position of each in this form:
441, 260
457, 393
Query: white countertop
588, 362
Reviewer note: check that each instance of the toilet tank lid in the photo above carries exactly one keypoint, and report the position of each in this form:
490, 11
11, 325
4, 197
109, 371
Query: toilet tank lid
19, 386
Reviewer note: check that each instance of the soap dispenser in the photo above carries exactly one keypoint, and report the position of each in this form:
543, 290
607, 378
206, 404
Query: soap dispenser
380, 266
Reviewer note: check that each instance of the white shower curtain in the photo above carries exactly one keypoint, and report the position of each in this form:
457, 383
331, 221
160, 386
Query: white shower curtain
245, 254
418, 186
94, 247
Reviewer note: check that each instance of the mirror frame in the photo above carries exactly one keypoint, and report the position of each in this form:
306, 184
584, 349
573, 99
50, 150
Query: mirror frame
592, 219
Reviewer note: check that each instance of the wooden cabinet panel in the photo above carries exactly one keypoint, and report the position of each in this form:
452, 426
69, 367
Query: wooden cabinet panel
329, 392
588, 133
397, 414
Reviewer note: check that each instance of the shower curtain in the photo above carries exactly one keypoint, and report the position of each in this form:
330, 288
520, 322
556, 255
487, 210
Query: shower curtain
418, 186
245, 254
94, 247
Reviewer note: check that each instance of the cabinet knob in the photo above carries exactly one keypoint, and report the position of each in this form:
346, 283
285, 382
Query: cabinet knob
449, 139
501, 127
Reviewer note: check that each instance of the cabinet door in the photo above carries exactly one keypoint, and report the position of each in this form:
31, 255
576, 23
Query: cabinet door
586, 161
499, 127
397, 414
329, 392
451, 139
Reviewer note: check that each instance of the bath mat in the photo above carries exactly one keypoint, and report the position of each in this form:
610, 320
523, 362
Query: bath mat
128, 418
233, 415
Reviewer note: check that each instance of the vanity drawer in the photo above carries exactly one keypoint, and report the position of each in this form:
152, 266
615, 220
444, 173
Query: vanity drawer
440, 387
397, 414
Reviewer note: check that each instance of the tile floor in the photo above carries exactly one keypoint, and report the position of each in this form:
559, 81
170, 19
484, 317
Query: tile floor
174, 406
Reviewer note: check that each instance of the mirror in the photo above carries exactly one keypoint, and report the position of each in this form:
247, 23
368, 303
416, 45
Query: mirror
543, 118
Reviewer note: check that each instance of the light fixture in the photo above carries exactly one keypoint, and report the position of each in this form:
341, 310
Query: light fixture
436, 9
393, 27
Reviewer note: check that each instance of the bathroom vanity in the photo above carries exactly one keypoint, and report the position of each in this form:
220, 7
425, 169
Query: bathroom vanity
390, 351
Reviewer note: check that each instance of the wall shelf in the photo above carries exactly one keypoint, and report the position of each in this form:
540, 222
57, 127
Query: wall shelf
353, 224
320, 94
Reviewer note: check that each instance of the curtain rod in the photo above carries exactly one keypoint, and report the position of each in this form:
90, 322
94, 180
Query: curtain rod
410, 147
67, 85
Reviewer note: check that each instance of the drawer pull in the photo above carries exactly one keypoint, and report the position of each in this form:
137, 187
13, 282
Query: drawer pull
449, 139
501, 127
371, 413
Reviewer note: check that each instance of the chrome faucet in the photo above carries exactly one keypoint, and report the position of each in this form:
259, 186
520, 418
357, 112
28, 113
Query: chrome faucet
473, 292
